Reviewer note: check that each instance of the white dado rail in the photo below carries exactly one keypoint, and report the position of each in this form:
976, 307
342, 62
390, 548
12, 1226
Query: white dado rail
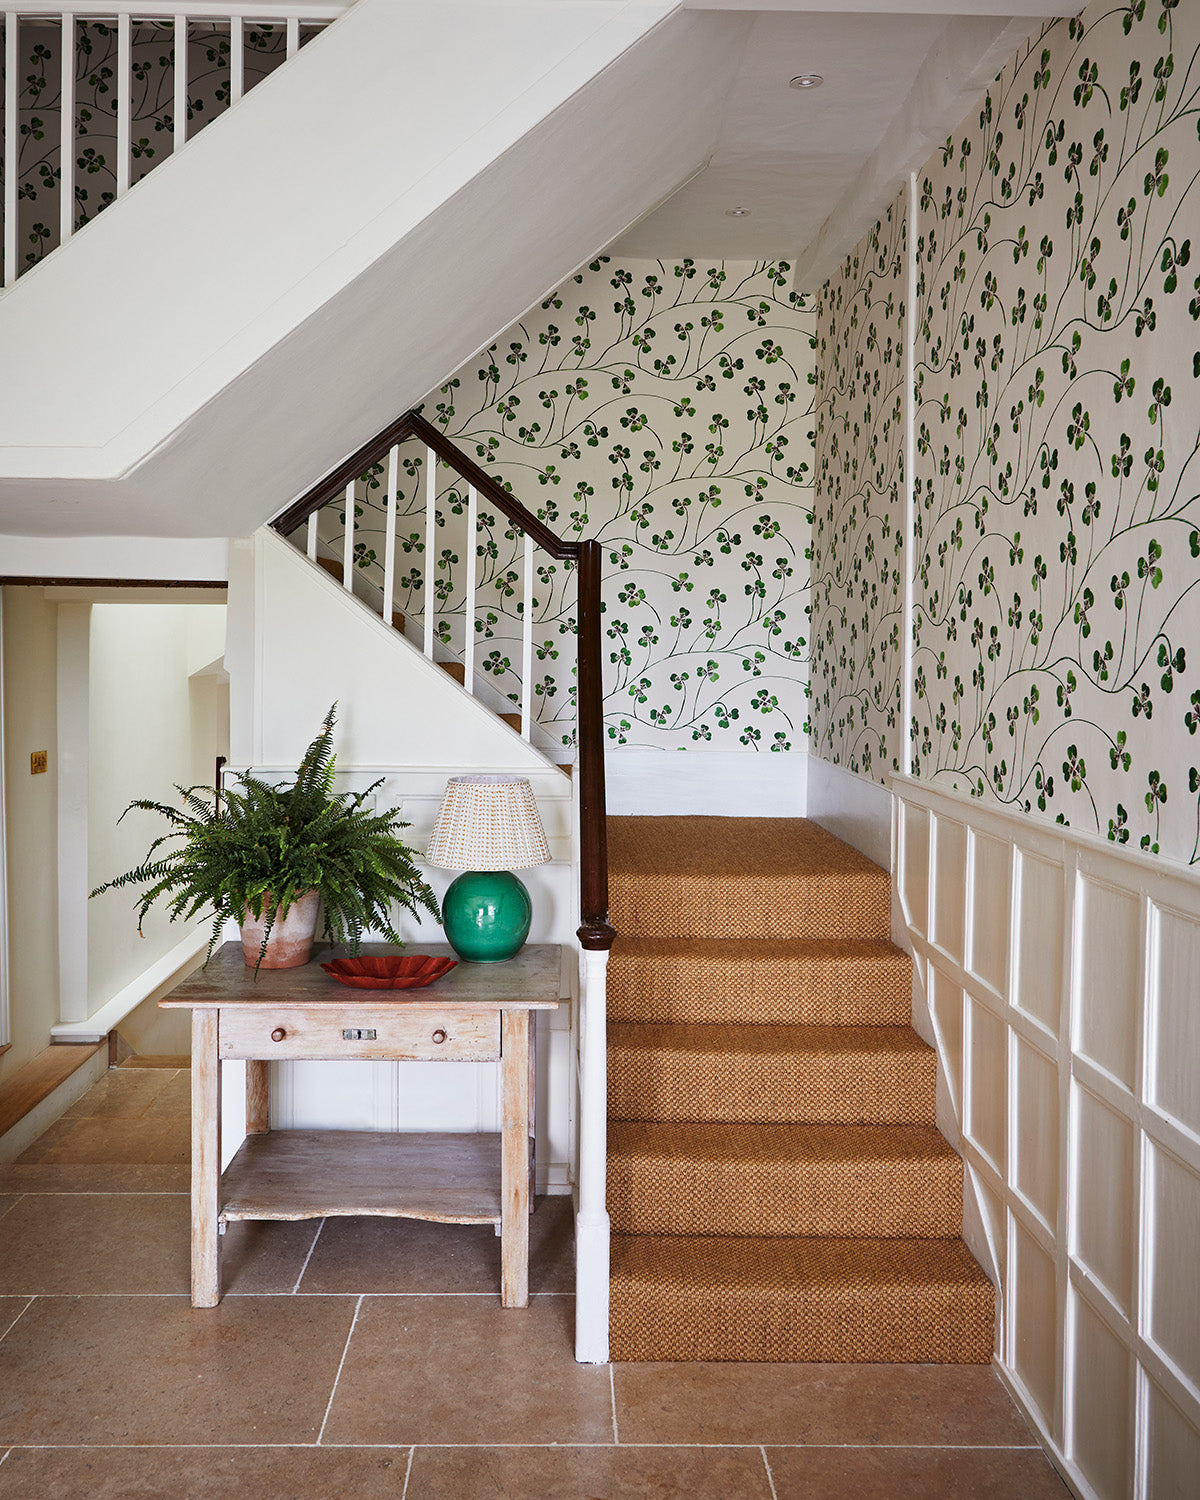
1063, 980
35, 23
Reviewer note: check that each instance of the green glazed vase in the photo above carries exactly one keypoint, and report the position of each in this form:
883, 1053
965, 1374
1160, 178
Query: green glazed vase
486, 916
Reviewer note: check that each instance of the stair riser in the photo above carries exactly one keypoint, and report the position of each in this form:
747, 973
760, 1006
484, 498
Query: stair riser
876, 994
802, 1326
922, 1200
842, 1089
758, 907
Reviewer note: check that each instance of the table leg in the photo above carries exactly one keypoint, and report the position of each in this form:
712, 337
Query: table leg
258, 1096
206, 1159
514, 1168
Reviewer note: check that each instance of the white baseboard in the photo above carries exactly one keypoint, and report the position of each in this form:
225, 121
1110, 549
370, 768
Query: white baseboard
855, 810
722, 783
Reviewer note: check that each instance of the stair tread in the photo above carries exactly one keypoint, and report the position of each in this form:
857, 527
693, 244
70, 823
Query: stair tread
742, 878
669, 847
701, 1038
782, 1298
788, 1143
781, 1263
772, 1179
736, 950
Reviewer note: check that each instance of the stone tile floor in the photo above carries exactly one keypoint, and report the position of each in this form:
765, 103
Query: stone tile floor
371, 1359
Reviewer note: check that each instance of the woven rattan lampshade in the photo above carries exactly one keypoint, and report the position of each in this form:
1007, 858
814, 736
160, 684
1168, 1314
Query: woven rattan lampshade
488, 823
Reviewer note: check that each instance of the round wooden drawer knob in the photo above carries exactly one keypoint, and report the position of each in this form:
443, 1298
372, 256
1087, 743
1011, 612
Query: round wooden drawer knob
439, 1036
278, 1034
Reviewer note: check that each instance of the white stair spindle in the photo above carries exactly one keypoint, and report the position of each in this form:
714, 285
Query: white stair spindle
180, 119
430, 547
389, 536
311, 548
237, 58
348, 550
12, 138
293, 35
527, 644
124, 99
469, 601
66, 148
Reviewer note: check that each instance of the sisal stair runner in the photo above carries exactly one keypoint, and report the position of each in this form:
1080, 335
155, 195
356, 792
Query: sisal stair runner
777, 1187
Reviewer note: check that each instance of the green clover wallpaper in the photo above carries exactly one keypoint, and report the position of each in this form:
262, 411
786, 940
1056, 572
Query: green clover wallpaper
152, 85
665, 408
1057, 557
858, 525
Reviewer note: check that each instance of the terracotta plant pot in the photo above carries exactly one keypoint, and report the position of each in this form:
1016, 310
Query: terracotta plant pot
291, 940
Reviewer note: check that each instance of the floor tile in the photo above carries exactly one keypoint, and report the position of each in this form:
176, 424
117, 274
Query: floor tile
135, 1370
174, 1146
123, 1243
175, 1098
204, 1474
11, 1308
93, 1177
603, 1473
752, 1403
913, 1474
407, 1255
466, 1370
117, 1139
119, 1095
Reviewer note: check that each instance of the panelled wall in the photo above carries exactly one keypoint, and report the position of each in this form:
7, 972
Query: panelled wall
1061, 975
1006, 605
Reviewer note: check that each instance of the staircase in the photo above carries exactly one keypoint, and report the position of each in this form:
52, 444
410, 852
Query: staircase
777, 1187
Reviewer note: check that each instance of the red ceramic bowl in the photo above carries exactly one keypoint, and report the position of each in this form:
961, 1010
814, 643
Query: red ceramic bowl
410, 971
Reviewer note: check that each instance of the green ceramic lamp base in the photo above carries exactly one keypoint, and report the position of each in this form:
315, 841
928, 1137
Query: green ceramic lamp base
486, 916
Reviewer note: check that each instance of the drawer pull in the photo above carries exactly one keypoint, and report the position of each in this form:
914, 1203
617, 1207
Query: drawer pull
358, 1034
278, 1034
439, 1036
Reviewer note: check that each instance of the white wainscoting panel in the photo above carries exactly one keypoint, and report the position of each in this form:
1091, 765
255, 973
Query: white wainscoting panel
1062, 980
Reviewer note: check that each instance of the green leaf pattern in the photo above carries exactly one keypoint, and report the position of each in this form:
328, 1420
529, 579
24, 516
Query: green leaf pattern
1057, 623
666, 409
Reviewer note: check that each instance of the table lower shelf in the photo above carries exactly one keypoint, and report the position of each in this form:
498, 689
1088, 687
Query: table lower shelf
313, 1174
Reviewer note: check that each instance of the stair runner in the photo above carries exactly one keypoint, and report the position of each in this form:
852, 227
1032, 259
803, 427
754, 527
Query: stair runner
777, 1186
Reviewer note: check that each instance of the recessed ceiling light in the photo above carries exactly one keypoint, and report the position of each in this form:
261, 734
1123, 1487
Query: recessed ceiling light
737, 213
806, 81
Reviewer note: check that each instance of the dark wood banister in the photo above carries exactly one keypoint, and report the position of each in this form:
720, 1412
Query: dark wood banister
413, 425
595, 931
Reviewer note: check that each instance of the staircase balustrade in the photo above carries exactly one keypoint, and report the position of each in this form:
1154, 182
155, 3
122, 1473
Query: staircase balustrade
329, 520
101, 65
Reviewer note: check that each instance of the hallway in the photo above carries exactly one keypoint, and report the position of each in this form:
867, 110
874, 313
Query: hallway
371, 1358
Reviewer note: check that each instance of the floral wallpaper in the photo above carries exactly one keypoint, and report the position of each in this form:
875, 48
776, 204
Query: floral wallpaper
858, 521
1057, 422
153, 102
666, 409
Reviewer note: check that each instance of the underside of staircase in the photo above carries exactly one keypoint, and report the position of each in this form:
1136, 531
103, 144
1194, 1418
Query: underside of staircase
777, 1186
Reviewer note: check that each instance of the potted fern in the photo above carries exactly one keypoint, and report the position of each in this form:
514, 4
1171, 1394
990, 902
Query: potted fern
266, 855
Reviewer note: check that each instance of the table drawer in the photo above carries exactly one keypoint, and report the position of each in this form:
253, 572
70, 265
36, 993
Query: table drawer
354, 1032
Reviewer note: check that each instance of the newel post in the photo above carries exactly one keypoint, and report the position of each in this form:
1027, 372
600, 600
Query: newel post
595, 939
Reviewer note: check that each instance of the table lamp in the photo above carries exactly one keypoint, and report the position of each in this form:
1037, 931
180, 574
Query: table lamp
487, 826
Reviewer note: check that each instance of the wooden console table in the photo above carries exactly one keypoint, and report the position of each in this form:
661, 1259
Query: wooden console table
477, 1012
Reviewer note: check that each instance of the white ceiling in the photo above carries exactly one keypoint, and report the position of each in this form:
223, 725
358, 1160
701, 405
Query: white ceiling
797, 159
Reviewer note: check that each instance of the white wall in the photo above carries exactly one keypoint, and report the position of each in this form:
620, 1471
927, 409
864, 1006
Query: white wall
1060, 978
152, 727
298, 641
306, 317
29, 724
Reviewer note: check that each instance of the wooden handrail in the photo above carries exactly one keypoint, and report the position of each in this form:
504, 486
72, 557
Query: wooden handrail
413, 425
595, 931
